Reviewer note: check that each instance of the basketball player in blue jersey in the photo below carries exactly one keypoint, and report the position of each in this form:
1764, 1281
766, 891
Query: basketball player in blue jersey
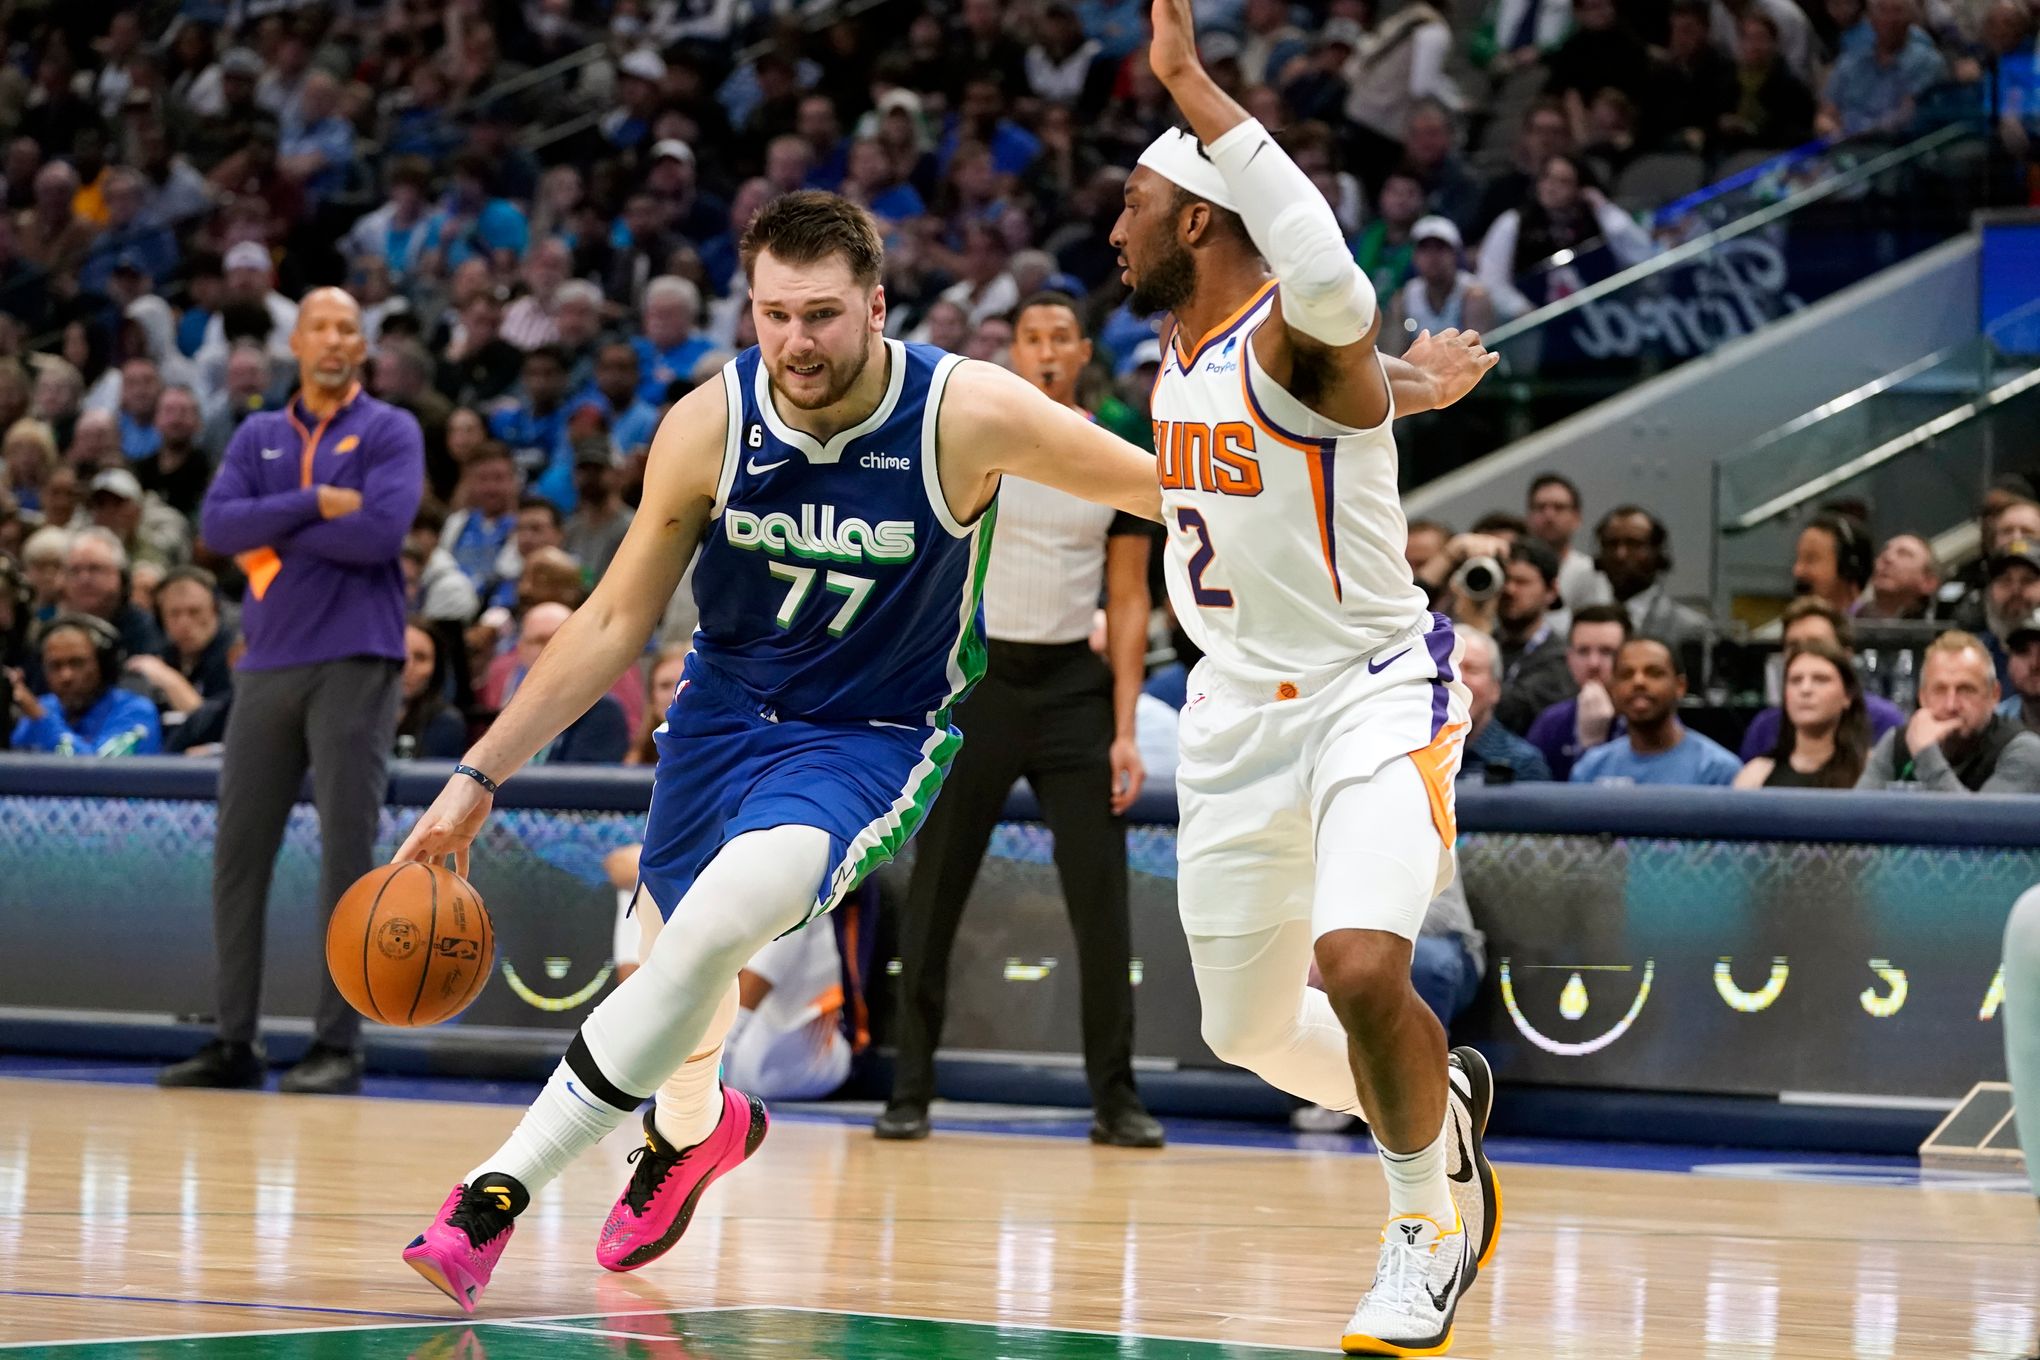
841, 488
1325, 722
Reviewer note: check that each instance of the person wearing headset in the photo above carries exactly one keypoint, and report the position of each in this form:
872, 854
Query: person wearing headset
1635, 556
84, 713
1833, 561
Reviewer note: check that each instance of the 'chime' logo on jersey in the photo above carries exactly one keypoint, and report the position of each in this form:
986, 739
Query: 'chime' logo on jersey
818, 535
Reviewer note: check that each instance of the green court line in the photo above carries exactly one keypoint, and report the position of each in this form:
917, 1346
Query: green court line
710, 1334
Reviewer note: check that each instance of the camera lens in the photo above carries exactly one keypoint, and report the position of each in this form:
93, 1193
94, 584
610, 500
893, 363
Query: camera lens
1478, 578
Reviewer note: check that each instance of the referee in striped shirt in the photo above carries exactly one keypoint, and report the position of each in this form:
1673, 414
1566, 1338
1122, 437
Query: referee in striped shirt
1050, 711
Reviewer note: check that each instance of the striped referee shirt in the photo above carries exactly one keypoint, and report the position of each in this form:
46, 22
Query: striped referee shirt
1047, 569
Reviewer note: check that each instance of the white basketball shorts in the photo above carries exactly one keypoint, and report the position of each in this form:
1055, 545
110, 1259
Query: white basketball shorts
1261, 767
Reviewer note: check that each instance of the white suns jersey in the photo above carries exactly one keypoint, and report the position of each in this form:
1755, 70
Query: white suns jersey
1286, 530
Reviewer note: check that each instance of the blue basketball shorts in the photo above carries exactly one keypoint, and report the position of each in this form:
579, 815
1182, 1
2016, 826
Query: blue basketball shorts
727, 765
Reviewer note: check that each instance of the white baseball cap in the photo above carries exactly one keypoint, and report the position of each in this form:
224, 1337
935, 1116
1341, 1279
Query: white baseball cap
644, 64
901, 99
1436, 228
118, 482
249, 255
673, 149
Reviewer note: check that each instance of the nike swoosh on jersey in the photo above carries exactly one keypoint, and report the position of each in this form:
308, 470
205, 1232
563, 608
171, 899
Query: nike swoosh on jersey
272, 453
1376, 669
754, 467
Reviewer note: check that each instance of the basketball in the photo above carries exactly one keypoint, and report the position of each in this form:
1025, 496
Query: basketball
410, 944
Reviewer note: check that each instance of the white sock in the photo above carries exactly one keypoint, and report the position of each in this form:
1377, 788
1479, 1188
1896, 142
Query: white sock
1416, 1182
677, 1006
564, 1122
690, 1101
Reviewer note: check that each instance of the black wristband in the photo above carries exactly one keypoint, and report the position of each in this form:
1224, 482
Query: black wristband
472, 773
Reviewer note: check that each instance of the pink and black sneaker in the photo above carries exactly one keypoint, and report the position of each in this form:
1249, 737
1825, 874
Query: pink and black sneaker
460, 1250
667, 1184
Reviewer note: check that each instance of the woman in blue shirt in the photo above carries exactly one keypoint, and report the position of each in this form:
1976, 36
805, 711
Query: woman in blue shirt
83, 714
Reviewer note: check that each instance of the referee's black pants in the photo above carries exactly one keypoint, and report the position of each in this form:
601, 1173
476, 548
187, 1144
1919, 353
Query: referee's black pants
1045, 713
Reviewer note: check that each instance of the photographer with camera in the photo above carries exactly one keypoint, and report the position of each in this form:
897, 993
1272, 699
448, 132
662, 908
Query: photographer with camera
1465, 578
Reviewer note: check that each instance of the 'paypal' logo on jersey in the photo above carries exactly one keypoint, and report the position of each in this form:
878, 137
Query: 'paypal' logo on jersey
1224, 362
817, 533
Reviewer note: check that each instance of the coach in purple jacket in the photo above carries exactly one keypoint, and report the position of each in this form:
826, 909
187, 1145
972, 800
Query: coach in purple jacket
313, 501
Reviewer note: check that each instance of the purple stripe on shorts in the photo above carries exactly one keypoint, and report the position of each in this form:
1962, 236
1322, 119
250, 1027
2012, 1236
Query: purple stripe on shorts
1438, 642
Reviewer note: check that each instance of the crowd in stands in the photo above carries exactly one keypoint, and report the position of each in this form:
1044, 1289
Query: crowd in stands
545, 255
1588, 683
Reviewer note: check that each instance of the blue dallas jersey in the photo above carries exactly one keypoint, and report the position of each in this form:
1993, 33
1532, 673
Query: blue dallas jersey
834, 584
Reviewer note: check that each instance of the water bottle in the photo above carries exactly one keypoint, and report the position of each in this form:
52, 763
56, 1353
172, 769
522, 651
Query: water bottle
407, 747
1869, 667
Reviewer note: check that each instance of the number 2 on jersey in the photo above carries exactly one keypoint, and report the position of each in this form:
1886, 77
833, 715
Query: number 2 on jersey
855, 589
1210, 597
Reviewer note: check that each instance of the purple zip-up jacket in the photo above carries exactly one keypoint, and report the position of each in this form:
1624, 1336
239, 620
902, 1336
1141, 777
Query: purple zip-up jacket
318, 589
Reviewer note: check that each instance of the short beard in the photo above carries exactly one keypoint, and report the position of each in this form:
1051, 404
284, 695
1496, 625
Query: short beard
836, 391
1168, 285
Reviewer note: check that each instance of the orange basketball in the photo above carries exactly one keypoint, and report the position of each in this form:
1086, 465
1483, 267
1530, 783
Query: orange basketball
410, 944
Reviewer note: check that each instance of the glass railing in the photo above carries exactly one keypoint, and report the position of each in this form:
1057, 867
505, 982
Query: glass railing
1919, 444
1785, 235
1758, 252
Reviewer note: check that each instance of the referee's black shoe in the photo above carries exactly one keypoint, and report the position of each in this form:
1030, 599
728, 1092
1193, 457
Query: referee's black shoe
902, 1123
221, 1066
1131, 1127
324, 1071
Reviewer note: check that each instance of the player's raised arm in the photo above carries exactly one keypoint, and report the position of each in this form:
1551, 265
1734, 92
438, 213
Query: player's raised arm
606, 634
1323, 350
993, 423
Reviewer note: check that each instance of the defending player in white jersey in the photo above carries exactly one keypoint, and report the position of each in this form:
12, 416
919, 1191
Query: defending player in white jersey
1324, 725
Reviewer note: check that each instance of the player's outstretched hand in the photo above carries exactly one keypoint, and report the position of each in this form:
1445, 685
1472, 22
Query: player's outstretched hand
1173, 52
449, 826
1454, 360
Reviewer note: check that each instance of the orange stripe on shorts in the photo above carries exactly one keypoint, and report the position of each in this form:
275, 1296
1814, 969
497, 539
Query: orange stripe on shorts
1438, 765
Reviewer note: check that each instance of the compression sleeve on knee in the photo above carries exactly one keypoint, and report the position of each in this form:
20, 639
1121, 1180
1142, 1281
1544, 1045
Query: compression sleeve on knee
1325, 295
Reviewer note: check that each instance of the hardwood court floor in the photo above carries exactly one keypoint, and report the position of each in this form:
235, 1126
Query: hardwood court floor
159, 1223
